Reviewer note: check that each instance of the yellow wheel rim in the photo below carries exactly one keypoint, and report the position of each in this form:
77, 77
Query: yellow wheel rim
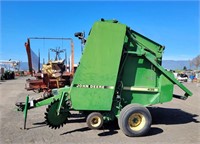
136, 121
95, 121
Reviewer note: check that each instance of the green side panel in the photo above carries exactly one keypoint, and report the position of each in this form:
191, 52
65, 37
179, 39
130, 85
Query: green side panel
167, 75
91, 99
139, 72
166, 88
143, 98
98, 66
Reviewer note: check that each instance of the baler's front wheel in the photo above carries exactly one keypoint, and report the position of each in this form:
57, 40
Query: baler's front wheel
94, 120
135, 120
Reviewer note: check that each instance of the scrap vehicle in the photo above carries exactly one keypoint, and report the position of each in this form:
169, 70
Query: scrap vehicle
7, 75
119, 76
8, 69
182, 77
55, 73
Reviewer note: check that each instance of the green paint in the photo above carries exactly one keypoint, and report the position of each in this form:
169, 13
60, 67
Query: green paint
60, 103
26, 111
55, 97
99, 66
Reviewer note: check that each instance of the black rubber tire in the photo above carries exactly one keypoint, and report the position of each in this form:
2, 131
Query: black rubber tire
98, 119
127, 113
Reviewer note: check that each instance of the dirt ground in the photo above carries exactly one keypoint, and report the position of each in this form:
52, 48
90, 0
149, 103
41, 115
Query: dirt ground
175, 122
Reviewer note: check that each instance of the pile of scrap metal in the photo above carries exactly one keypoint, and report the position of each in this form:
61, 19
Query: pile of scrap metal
54, 74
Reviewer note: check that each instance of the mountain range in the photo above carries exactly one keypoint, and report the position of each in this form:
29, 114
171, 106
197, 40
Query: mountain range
167, 64
176, 64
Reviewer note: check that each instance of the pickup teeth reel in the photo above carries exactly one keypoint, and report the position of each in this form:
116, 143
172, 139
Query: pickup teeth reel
53, 120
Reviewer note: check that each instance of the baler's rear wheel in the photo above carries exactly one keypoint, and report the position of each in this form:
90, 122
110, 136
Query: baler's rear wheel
135, 120
53, 120
94, 120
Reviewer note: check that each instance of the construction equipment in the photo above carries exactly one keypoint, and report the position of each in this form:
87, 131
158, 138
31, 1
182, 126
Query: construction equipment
54, 74
119, 75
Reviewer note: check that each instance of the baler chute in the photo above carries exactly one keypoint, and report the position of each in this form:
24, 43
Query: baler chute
119, 75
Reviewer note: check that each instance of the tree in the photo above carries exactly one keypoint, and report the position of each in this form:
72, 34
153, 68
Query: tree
196, 61
190, 63
184, 68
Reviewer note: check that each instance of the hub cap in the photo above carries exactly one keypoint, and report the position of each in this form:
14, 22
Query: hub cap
95, 121
136, 121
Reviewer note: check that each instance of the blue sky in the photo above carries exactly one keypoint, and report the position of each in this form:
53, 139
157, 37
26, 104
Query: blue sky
174, 24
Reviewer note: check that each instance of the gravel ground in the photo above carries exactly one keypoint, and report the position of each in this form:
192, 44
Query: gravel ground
173, 122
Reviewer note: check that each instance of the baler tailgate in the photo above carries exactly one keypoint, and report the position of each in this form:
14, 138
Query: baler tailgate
96, 76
